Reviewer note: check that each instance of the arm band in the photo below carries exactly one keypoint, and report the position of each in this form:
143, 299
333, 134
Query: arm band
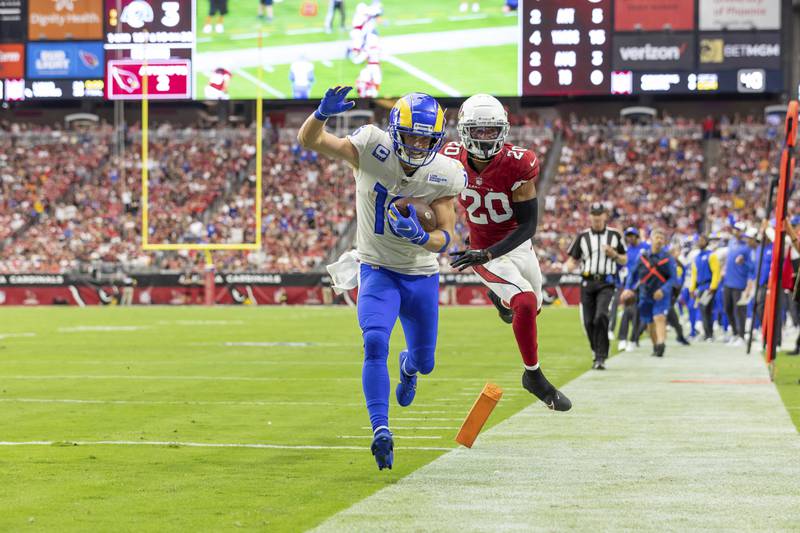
526, 213
446, 242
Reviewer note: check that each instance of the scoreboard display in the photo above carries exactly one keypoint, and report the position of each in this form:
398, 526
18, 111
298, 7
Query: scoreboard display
103, 49
566, 47
571, 47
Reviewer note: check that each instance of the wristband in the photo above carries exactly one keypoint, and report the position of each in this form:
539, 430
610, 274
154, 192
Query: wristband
320, 116
446, 242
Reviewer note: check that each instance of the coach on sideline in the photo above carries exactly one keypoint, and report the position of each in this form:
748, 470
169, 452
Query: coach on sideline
602, 252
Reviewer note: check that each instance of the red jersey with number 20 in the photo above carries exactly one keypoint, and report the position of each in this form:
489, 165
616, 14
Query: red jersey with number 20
487, 198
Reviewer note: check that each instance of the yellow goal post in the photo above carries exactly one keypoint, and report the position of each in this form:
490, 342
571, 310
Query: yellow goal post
149, 246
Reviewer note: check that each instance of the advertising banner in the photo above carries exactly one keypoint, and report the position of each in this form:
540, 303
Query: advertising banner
654, 52
152, 29
63, 89
12, 61
740, 50
65, 60
168, 79
12, 21
740, 14
58, 20
565, 47
653, 15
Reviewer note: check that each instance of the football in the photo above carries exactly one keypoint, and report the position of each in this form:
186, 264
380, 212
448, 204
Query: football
425, 214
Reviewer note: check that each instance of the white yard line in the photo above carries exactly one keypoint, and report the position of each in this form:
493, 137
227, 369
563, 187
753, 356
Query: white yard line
334, 50
172, 444
190, 402
416, 428
199, 378
412, 22
99, 329
401, 437
252, 79
422, 75
15, 335
637, 452
424, 419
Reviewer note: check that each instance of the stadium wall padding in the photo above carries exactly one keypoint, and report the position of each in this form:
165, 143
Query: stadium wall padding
234, 289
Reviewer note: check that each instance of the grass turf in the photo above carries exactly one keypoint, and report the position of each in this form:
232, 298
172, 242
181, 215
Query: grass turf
400, 17
175, 380
69, 487
479, 77
487, 69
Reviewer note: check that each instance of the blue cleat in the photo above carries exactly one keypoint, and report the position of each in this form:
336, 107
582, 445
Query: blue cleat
383, 448
407, 388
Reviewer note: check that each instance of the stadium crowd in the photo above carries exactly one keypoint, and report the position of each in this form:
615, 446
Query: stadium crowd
647, 176
70, 203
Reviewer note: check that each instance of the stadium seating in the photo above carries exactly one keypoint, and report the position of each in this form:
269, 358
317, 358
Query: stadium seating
69, 204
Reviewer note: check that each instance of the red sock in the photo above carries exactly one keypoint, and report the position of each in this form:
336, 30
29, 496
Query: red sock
525, 310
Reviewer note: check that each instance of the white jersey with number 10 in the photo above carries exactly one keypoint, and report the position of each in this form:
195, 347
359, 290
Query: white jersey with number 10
380, 179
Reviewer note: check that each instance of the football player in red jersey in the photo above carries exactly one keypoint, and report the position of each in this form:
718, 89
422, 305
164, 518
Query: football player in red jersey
500, 201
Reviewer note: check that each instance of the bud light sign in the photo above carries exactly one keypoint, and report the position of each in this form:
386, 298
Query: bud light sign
65, 60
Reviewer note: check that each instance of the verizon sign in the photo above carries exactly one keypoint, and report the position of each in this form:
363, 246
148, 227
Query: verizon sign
167, 79
654, 52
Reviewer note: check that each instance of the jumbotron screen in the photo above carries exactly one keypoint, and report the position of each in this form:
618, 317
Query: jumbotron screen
240, 49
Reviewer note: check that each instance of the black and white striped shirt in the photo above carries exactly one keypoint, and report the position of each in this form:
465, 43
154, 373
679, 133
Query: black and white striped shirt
589, 247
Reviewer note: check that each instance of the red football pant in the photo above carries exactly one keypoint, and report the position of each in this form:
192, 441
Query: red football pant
525, 306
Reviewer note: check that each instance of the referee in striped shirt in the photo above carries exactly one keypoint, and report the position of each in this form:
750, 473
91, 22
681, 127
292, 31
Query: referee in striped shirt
601, 251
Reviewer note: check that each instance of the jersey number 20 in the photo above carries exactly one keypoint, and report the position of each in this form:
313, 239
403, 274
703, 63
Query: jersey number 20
489, 201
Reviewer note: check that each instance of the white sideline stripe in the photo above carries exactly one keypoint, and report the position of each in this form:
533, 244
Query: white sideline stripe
252, 79
180, 402
403, 437
258, 446
415, 428
424, 76
670, 455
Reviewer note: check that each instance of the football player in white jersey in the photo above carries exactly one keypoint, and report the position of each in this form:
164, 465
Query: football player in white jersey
399, 272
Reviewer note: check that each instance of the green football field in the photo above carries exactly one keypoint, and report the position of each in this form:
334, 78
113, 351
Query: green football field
439, 68
198, 419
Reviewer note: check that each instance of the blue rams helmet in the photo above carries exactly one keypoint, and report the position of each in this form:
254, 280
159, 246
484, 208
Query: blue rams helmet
420, 115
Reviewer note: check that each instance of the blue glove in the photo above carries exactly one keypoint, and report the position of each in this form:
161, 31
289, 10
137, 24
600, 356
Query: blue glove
407, 227
334, 102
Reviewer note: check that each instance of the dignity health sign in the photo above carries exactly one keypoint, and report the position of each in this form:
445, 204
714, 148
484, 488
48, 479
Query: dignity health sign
65, 19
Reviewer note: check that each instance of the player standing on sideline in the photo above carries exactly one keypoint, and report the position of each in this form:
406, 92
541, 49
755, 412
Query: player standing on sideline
301, 76
333, 6
653, 276
399, 272
265, 6
502, 210
220, 9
